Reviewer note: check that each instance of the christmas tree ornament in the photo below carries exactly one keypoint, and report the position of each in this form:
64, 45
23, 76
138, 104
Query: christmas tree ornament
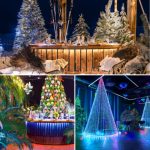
47, 86
52, 81
56, 78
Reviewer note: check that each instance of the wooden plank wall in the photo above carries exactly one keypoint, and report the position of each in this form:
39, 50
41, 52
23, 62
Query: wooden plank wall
79, 60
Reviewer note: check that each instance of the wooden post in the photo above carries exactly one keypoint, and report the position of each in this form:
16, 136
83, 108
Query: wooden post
132, 15
116, 5
64, 18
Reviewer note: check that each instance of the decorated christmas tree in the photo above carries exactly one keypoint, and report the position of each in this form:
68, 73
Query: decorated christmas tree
53, 98
125, 36
108, 25
81, 31
30, 27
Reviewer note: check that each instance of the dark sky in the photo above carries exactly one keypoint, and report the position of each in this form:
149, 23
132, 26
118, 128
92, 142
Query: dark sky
90, 9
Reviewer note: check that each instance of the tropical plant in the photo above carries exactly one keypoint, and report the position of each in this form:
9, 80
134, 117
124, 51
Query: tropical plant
11, 92
69, 134
14, 128
7, 138
12, 116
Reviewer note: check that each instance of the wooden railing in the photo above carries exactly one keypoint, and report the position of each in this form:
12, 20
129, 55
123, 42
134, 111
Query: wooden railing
81, 59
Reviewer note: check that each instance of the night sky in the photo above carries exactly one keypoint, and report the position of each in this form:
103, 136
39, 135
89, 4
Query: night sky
90, 9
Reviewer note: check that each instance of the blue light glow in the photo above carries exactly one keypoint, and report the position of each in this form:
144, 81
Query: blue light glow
47, 129
98, 137
146, 114
101, 122
123, 85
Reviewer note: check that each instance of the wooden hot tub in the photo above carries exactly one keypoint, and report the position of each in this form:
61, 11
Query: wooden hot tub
81, 59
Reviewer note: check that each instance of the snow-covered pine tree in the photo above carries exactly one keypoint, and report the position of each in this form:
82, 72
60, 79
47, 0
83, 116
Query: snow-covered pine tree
81, 29
39, 32
125, 36
108, 25
30, 27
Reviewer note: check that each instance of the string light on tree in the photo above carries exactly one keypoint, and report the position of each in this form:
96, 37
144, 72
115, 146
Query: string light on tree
101, 121
146, 114
30, 28
80, 33
53, 98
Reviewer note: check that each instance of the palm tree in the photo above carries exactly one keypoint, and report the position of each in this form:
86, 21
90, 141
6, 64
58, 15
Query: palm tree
12, 97
11, 92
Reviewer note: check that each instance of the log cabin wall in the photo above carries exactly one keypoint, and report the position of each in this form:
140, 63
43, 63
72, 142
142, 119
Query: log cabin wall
81, 59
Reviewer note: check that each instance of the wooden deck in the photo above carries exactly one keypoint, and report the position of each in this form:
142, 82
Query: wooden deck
81, 59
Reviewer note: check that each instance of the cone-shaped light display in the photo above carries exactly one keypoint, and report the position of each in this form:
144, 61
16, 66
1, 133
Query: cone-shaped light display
101, 121
146, 114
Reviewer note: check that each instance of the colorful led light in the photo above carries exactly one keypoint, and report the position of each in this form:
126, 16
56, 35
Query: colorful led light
146, 114
101, 121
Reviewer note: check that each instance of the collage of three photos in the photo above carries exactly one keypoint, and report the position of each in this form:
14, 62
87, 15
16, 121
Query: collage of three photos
75, 75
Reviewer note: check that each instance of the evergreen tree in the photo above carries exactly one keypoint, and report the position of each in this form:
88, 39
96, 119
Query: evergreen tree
30, 27
53, 97
108, 25
81, 29
80, 119
113, 27
124, 34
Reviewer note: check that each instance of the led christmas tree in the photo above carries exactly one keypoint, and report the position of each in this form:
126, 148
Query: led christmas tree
53, 98
81, 30
101, 122
124, 36
146, 114
1, 48
30, 27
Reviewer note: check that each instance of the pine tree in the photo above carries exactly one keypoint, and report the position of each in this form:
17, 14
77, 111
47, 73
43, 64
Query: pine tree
80, 119
81, 29
53, 97
108, 25
30, 27
125, 36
